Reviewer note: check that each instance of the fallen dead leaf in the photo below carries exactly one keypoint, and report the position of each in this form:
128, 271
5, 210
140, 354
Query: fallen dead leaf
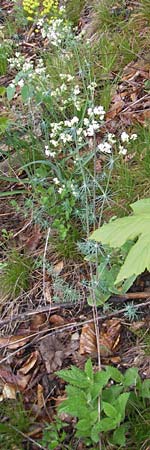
109, 338
56, 320
29, 364
88, 339
40, 396
38, 321
7, 377
115, 109
58, 267
9, 391
47, 292
22, 380
52, 353
14, 342
33, 241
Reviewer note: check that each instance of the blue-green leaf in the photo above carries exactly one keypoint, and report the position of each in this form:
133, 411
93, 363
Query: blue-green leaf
10, 92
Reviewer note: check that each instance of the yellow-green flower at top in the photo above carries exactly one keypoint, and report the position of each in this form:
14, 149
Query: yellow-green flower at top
40, 7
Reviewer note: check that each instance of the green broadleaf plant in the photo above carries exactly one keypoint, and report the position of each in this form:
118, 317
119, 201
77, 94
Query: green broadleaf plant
114, 398
134, 228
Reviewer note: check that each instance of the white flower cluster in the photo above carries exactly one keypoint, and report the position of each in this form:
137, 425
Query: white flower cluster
107, 146
69, 187
16, 61
70, 130
56, 32
125, 138
66, 96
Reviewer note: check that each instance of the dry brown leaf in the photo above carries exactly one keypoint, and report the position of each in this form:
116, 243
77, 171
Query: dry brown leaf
38, 321
47, 292
52, 353
6, 374
135, 326
109, 337
13, 342
57, 268
56, 320
29, 364
9, 378
9, 391
33, 241
22, 380
115, 109
40, 396
88, 339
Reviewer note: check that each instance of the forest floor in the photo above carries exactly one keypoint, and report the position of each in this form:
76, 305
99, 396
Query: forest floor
75, 154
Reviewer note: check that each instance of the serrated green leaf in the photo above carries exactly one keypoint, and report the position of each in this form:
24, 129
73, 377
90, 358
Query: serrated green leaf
89, 370
109, 410
131, 376
115, 374
111, 394
74, 376
145, 389
121, 403
101, 378
74, 407
119, 436
105, 425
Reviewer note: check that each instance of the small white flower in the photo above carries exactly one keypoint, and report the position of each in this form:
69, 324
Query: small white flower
76, 90
90, 112
49, 153
105, 147
92, 86
122, 150
77, 104
111, 138
74, 120
95, 125
63, 87
90, 131
79, 131
133, 137
70, 78
21, 83
60, 190
124, 137
92, 128
67, 123
99, 110
12, 85
62, 76
56, 181
27, 66
54, 143
86, 121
